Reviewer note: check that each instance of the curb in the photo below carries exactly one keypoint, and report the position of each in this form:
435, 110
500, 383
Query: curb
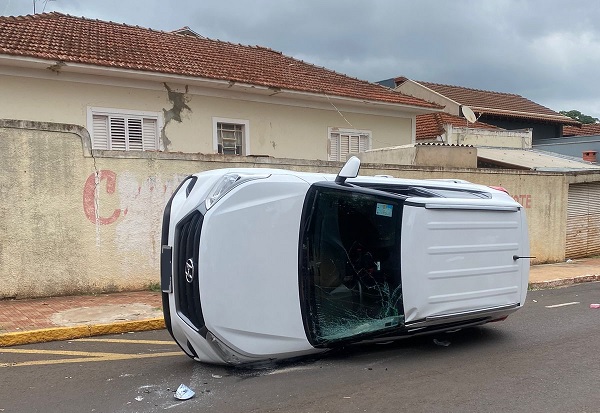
91, 330
81, 331
562, 282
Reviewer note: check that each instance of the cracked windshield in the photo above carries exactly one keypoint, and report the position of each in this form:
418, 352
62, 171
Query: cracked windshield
352, 272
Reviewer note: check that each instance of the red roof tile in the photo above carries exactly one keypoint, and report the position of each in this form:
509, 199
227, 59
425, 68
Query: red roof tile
55, 36
496, 103
590, 129
431, 125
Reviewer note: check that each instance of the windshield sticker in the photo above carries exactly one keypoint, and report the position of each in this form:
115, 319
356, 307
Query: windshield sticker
384, 210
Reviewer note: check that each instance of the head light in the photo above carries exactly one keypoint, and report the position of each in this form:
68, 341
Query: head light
227, 183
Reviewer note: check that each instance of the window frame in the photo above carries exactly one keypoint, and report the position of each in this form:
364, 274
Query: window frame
345, 131
245, 133
126, 114
307, 264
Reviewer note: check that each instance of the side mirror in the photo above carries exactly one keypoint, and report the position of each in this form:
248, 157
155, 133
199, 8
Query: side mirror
349, 170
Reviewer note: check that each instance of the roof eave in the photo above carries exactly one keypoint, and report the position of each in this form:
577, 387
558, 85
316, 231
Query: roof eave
81, 68
549, 118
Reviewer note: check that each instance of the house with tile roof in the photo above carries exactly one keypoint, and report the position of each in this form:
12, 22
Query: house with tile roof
503, 110
138, 89
433, 126
453, 130
589, 129
577, 142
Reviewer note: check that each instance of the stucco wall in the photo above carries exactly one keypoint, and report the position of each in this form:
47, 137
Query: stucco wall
544, 197
277, 127
426, 155
62, 232
71, 223
488, 137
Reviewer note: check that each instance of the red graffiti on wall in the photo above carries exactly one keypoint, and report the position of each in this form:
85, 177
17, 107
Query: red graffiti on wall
89, 196
524, 200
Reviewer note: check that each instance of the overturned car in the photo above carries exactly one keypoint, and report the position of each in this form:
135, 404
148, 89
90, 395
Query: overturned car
266, 264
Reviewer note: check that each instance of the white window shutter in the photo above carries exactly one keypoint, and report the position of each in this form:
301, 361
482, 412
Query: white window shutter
100, 132
119, 130
150, 134
134, 134
334, 144
354, 143
364, 143
117, 134
345, 141
344, 147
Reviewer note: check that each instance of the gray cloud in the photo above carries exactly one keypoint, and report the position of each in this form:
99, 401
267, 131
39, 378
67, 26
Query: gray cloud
545, 50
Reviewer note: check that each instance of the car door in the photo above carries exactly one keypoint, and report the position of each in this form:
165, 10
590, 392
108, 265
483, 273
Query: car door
460, 257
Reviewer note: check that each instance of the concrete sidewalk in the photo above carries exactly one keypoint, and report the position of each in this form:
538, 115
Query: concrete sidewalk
65, 318
564, 273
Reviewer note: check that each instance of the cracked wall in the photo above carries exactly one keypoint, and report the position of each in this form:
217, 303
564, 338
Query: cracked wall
180, 101
186, 115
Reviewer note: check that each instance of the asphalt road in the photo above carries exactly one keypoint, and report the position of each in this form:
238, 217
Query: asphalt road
541, 359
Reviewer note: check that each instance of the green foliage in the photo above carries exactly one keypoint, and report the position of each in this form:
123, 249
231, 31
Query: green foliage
577, 115
154, 286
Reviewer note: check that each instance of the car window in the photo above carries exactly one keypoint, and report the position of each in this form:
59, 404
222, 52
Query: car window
350, 275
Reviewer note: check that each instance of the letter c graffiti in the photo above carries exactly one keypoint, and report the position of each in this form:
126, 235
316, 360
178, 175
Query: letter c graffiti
89, 197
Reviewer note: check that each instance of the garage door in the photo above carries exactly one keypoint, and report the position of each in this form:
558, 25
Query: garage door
583, 220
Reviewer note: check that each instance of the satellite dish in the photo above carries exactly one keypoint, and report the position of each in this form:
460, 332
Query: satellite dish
468, 114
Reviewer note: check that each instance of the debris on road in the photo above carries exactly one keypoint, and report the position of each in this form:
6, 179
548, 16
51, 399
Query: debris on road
184, 392
443, 343
594, 305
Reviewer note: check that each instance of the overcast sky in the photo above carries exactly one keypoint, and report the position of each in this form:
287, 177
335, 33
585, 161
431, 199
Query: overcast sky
545, 50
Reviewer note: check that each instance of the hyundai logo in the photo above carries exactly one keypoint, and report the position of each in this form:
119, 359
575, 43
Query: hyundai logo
189, 270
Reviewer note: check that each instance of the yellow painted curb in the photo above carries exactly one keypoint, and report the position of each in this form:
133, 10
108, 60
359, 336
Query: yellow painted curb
70, 333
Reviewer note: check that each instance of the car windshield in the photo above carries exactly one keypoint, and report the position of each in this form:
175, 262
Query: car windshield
350, 263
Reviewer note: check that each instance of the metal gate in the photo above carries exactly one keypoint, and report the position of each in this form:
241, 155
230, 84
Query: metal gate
583, 220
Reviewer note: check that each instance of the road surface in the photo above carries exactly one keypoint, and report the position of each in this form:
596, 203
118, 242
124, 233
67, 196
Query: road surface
544, 358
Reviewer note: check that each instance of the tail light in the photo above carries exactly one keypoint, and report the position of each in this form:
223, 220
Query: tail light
499, 188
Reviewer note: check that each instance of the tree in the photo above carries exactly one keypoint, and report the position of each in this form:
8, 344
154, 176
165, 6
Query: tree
577, 115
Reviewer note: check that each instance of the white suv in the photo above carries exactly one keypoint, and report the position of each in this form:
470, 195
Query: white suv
265, 264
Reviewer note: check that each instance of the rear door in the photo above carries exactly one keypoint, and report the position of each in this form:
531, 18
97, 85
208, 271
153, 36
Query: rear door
458, 257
